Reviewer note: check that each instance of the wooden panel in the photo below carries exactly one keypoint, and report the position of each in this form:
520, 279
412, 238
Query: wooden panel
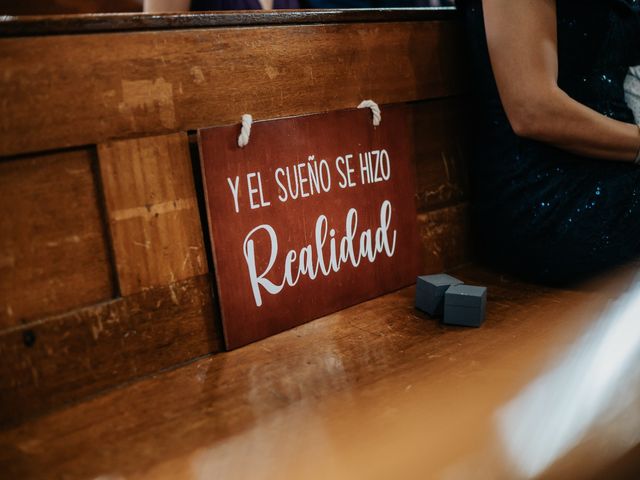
444, 234
53, 251
442, 143
152, 210
307, 403
68, 357
158, 82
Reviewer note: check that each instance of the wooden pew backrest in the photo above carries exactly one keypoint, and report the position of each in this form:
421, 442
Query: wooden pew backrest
104, 270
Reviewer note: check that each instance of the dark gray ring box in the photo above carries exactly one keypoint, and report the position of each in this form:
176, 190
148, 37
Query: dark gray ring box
430, 290
465, 305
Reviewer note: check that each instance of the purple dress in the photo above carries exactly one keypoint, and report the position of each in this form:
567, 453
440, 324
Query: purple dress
204, 5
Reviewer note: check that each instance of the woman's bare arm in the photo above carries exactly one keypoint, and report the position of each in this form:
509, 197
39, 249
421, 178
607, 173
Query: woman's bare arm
522, 39
156, 6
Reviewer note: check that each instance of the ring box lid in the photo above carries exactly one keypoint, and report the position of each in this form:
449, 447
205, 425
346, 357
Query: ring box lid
440, 280
465, 296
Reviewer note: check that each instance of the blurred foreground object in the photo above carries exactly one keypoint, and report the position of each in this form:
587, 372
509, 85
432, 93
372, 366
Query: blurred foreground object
55, 7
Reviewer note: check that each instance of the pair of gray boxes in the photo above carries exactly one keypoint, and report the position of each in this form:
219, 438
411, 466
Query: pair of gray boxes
443, 294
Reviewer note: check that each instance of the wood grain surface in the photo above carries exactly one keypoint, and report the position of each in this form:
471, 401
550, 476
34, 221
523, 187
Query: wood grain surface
445, 238
443, 244
376, 391
152, 210
442, 142
53, 245
94, 88
110, 89
65, 358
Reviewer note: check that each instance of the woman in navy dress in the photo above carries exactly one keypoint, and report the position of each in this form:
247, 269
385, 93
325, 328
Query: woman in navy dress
556, 192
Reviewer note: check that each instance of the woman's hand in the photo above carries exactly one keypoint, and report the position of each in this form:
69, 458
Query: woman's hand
523, 46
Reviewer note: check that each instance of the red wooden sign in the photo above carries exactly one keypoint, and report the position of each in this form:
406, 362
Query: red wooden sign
315, 214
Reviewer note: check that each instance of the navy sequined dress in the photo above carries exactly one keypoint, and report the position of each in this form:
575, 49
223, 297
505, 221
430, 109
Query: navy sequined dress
540, 212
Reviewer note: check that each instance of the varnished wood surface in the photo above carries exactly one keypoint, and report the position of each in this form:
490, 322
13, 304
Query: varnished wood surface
111, 88
445, 238
152, 210
65, 358
68, 90
39, 378
53, 243
69, 24
376, 391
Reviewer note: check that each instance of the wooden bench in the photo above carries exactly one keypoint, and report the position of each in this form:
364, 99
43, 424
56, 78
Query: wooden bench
104, 272
109, 332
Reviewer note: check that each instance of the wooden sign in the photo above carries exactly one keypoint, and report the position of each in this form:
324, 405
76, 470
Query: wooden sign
315, 214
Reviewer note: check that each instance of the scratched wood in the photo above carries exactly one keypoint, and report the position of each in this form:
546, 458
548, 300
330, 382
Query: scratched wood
443, 244
445, 238
67, 357
442, 152
277, 265
53, 245
152, 210
52, 371
145, 83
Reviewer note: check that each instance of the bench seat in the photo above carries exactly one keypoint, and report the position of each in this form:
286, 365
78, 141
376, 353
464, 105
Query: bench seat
374, 390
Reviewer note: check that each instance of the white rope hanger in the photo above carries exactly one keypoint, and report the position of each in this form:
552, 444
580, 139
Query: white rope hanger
375, 110
245, 130
247, 121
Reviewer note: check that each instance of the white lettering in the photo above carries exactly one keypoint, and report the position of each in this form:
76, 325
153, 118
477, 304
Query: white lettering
252, 190
310, 259
234, 191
